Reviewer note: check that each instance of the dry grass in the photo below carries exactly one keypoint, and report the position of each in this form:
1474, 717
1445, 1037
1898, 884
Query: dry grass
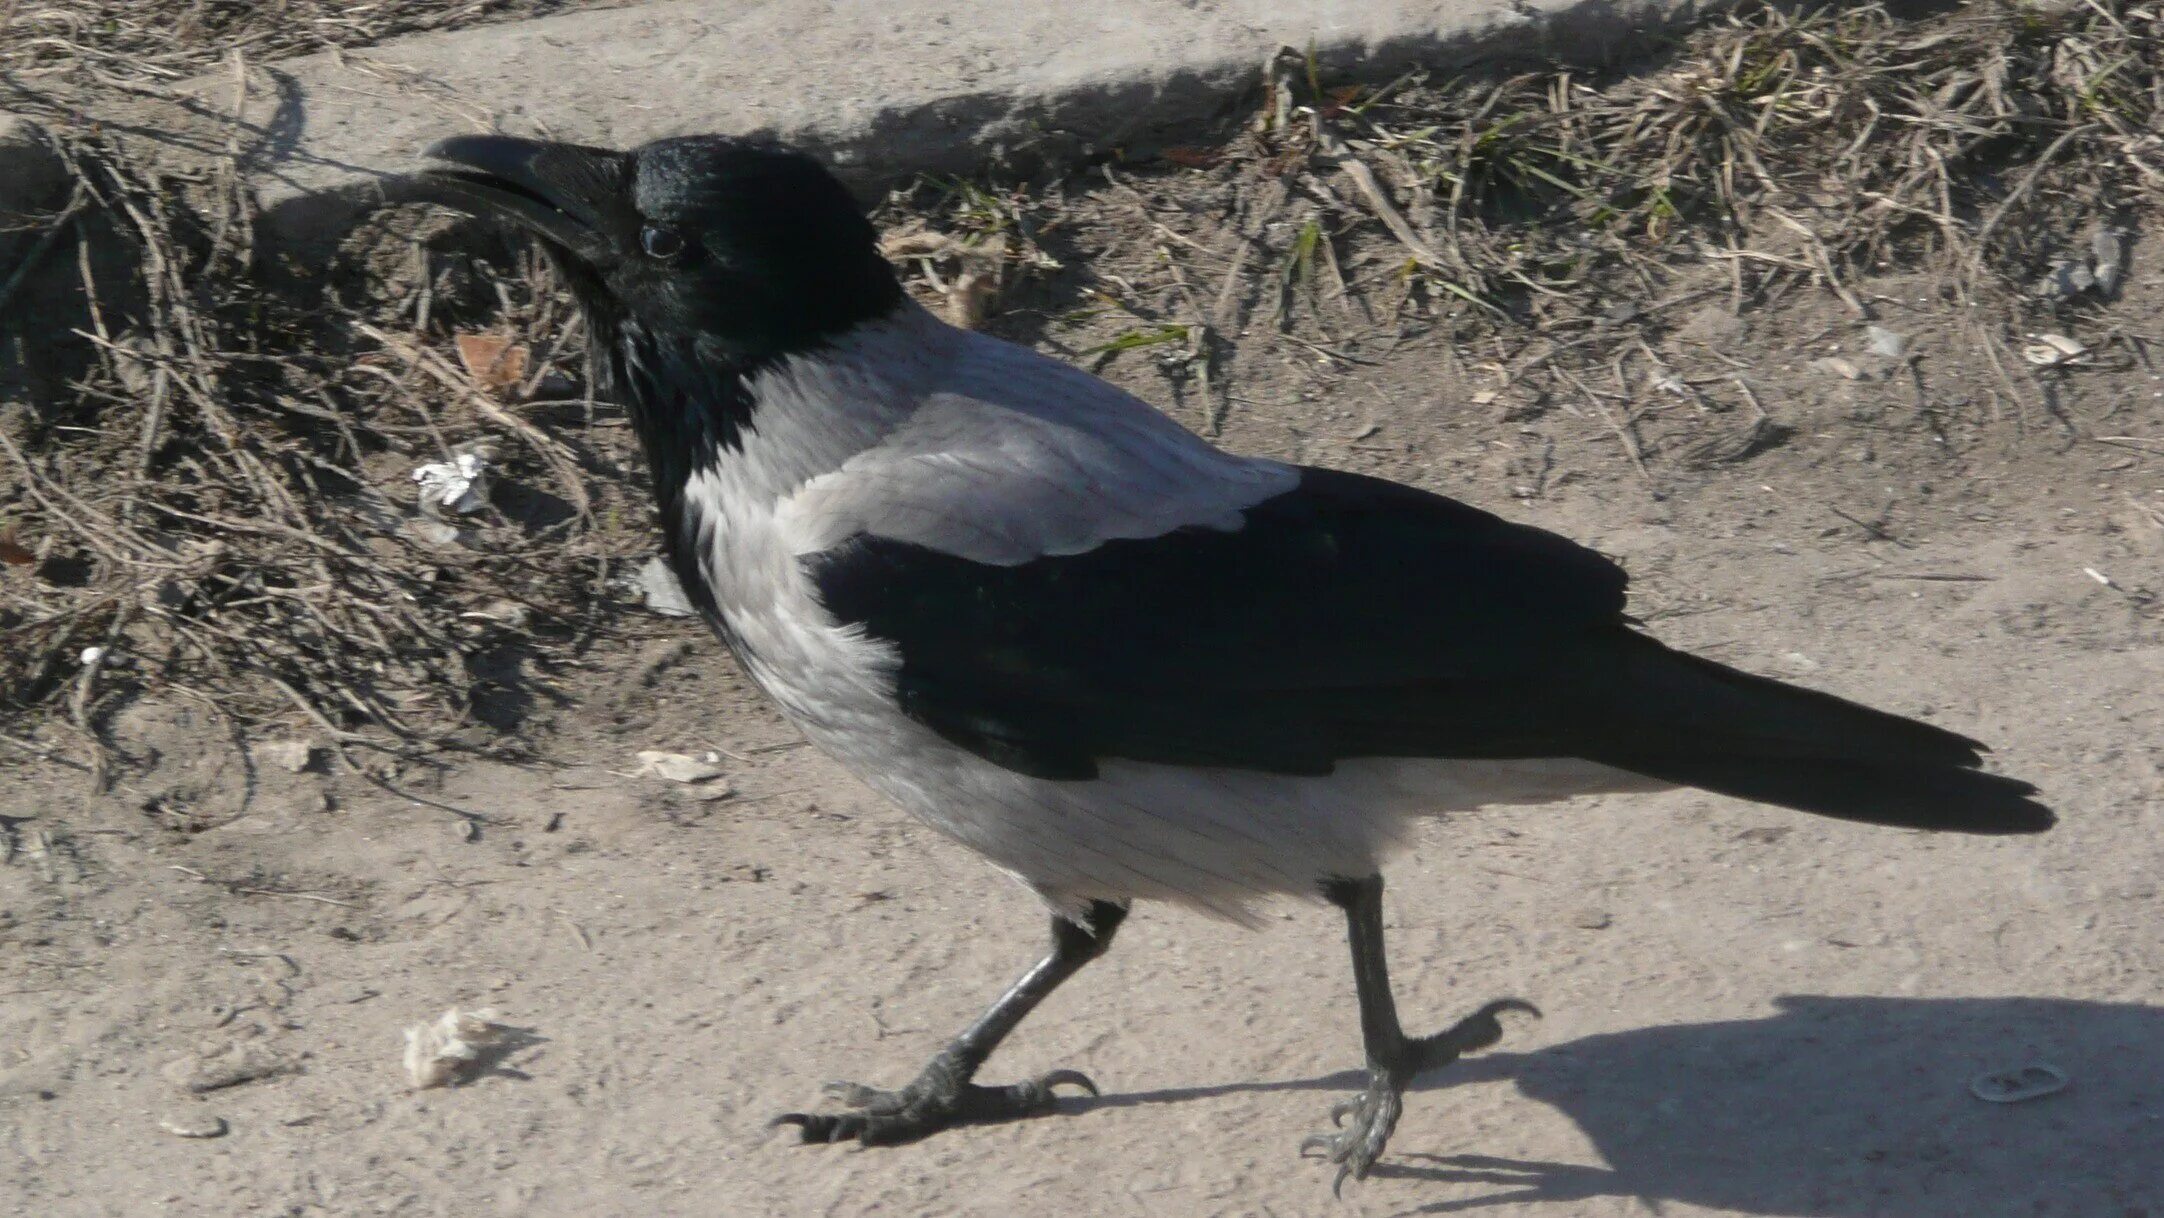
1561, 218
1788, 147
1825, 145
223, 504
225, 507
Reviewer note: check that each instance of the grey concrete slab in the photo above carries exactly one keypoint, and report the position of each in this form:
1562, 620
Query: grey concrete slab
881, 88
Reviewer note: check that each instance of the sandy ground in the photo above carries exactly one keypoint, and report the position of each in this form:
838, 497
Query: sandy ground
1748, 1011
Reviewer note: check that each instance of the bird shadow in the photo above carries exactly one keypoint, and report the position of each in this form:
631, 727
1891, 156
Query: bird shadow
493, 1060
1833, 1107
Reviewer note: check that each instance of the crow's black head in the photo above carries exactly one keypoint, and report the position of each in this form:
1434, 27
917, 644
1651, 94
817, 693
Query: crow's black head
746, 246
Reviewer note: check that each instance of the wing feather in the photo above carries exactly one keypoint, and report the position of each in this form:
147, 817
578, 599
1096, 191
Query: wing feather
1320, 629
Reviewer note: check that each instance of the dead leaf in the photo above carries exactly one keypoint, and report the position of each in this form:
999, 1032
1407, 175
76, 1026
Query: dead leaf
1340, 99
496, 364
12, 551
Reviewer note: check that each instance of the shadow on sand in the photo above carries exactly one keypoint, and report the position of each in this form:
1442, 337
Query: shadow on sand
1830, 1108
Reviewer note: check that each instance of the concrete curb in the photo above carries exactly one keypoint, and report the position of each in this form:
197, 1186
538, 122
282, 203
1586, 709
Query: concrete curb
880, 90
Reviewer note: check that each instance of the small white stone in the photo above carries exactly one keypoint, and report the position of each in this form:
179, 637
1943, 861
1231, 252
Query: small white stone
194, 1125
679, 767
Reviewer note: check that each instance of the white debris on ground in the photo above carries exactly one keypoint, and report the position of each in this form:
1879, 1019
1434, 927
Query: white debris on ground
1846, 369
440, 1053
295, 756
460, 484
1888, 343
2096, 273
679, 767
2051, 350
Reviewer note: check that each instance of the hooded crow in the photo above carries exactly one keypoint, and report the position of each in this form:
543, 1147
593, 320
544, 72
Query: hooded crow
1116, 661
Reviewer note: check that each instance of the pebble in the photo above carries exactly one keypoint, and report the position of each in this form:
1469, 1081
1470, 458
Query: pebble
2109, 247
194, 1125
2030, 1082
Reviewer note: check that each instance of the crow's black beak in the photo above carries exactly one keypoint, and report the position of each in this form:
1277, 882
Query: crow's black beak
572, 195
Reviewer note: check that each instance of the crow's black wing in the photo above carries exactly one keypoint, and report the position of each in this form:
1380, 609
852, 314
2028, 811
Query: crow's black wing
1352, 617
1242, 648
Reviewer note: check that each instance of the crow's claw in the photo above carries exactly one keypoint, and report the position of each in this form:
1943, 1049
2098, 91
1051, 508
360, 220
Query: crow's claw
1366, 1121
935, 1101
1071, 1078
1356, 1147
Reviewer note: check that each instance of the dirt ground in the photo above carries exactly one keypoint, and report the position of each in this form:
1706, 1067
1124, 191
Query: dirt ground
1748, 1011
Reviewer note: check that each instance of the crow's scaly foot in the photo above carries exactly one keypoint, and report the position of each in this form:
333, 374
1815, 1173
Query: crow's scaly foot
1366, 1121
940, 1098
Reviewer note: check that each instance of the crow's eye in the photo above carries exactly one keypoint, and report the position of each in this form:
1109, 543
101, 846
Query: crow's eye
661, 244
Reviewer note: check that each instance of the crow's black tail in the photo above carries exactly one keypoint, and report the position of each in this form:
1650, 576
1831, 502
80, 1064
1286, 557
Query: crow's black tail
1875, 792
1754, 738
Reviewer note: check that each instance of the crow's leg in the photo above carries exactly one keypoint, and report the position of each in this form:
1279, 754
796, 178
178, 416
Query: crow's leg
1394, 1059
942, 1094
